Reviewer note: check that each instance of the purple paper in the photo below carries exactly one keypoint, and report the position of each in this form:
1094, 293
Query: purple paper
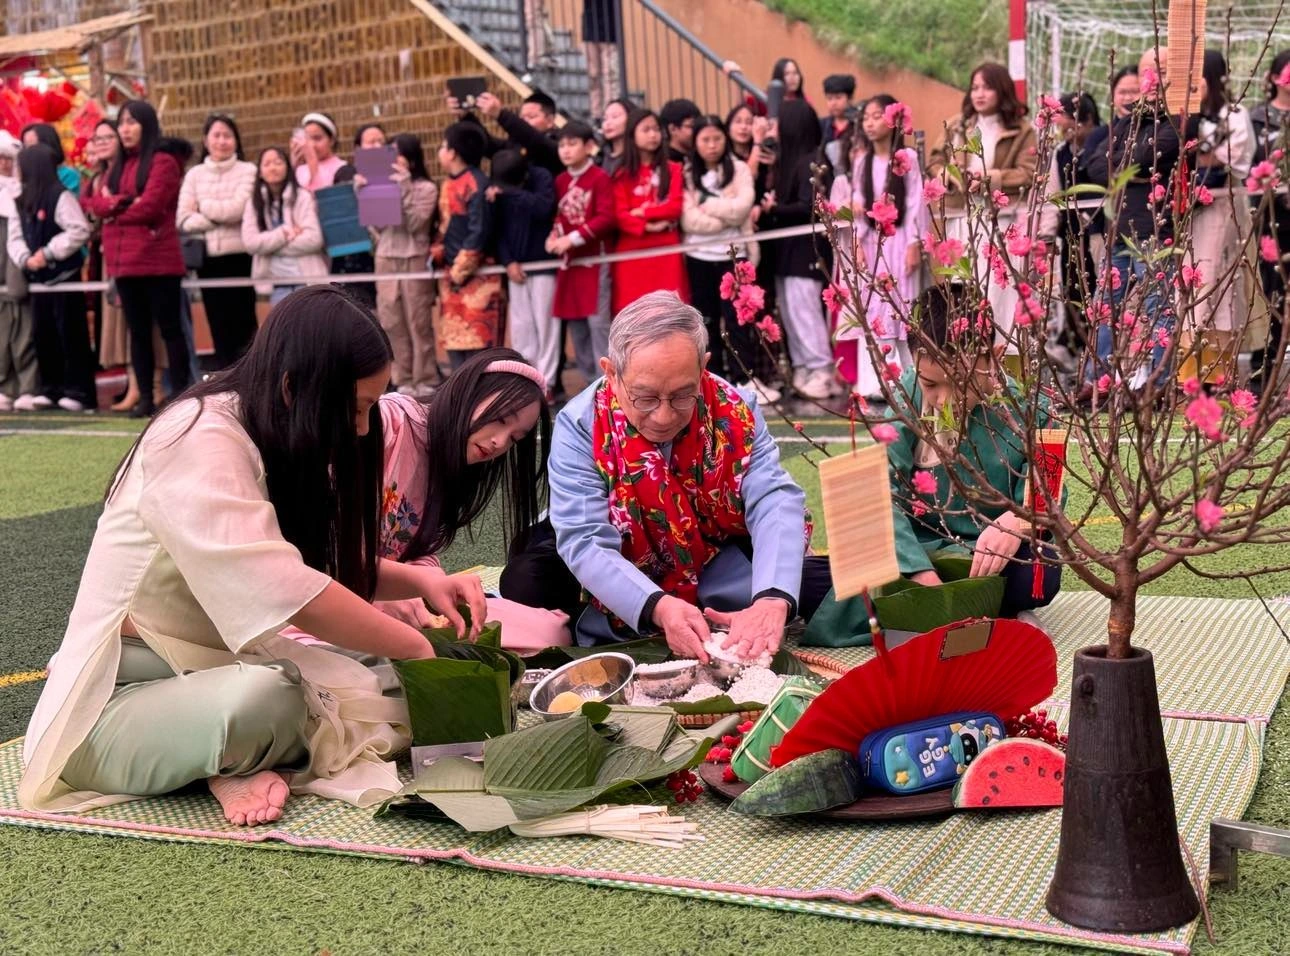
380, 205
376, 165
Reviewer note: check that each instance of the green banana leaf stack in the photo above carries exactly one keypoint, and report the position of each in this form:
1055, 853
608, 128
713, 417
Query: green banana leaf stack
903, 605
602, 754
463, 694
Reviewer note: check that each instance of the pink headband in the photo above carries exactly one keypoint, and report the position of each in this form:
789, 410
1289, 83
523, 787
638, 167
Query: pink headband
523, 369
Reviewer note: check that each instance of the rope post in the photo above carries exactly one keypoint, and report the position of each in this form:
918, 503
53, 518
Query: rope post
1017, 46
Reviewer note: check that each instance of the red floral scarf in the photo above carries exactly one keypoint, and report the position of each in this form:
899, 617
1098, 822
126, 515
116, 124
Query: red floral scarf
674, 516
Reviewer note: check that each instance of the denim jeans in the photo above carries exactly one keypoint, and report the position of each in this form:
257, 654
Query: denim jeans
1157, 307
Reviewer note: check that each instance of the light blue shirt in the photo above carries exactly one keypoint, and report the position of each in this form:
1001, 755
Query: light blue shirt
592, 547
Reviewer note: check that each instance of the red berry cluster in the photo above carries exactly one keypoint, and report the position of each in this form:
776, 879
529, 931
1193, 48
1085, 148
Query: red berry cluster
685, 786
1036, 726
722, 752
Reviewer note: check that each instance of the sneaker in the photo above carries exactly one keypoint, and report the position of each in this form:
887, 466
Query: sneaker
6, 403
70, 405
817, 384
800, 375
39, 403
25, 403
766, 393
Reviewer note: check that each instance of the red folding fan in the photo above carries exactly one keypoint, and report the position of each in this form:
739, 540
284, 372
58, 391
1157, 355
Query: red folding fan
1000, 667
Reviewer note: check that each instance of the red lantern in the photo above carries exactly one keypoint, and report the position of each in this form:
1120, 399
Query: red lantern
56, 106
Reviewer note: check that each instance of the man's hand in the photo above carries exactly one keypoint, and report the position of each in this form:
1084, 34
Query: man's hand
455, 107
684, 627
492, 192
755, 630
997, 543
446, 591
515, 272
928, 579
489, 105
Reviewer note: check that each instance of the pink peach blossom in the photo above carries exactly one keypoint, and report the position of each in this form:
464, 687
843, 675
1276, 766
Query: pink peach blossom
924, 483
1268, 250
899, 115
884, 433
1208, 515
933, 190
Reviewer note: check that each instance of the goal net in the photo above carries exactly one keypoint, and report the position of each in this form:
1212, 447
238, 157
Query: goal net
1079, 44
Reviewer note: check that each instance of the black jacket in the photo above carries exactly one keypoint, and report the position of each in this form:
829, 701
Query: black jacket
1150, 142
795, 206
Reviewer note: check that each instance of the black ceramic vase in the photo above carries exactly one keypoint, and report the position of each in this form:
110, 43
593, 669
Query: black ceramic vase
1119, 864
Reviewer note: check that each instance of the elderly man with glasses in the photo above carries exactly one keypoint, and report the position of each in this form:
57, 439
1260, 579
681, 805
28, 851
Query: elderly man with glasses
668, 500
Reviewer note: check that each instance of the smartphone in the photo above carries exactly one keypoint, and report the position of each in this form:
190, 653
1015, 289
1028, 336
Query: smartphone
464, 89
298, 134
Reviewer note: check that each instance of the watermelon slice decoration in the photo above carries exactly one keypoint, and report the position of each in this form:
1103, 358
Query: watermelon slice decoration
1013, 773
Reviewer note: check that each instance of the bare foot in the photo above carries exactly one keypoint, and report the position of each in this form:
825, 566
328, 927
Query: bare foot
250, 801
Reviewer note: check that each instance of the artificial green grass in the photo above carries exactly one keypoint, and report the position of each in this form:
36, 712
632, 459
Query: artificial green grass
68, 893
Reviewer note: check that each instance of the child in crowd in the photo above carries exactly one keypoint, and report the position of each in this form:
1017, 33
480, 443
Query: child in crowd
677, 118
280, 229
584, 225
524, 197
46, 239
648, 201
961, 367
719, 196
470, 304
886, 172
17, 351
403, 306
313, 152
839, 91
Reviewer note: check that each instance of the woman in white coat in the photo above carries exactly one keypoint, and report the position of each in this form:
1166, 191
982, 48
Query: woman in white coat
280, 230
212, 202
172, 670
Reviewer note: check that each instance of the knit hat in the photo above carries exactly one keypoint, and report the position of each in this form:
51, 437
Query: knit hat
9, 145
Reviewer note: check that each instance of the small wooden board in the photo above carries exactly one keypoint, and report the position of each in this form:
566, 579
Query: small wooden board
878, 806
857, 512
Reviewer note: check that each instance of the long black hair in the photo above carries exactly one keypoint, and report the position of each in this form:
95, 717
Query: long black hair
1214, 70
696, 166
457, 493
895, 185
295, 389
266, 205
408, 146
799, 146
40, 183
777, 73
102, 167
632, 159
996, 76
232, 128
1279, 63
46, 136
149, 139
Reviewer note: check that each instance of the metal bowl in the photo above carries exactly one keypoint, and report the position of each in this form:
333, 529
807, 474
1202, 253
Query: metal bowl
602, 677
667, 680
721, 670
523, 690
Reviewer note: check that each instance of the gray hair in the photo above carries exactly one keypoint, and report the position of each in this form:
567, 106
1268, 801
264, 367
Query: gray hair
650, 319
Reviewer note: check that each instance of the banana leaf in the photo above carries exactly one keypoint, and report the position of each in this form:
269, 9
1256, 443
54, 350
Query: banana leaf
550, 768
462, 695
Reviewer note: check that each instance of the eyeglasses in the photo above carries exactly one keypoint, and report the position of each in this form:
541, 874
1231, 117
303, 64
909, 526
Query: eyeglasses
103, 139
679, 403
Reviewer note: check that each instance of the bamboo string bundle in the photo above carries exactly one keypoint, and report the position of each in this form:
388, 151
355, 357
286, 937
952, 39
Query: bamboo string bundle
646, 824
1182, 66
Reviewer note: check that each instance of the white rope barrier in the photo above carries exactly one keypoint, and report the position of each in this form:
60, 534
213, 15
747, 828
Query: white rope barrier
545, 265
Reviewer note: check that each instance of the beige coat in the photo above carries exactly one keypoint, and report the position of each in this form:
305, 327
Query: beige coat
211, 203
193, 557
1013, 169
710, 216
411, 239
307, 247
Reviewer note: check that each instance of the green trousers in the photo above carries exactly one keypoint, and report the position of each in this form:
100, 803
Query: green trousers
160, 732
